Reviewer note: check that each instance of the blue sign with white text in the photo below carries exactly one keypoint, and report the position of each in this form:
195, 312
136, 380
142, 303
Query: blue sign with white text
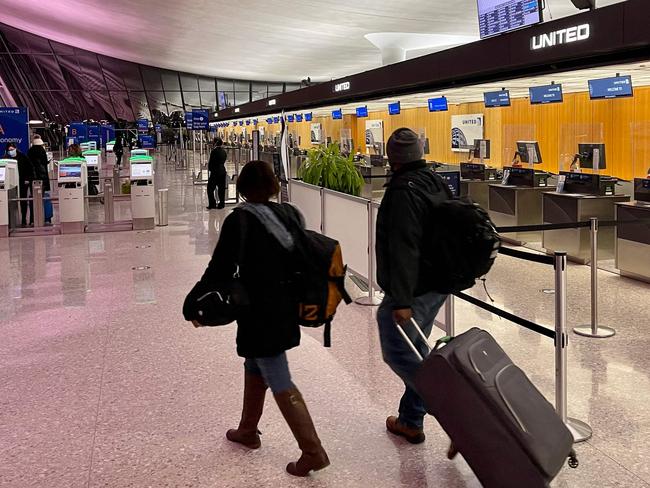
94, 134
289, 118
147, 142
545, 94
107, 133
14, 128
620, 86
276, 120
188, 120
143, 125
79, 131
200, 119
158, 128
497, 99
394, 108
298, 117
438, 104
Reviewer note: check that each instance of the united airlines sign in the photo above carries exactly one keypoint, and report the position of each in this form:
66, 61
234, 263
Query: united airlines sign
339, 87
559, 37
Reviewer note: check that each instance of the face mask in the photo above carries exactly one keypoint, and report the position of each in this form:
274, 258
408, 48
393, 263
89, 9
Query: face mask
12, 153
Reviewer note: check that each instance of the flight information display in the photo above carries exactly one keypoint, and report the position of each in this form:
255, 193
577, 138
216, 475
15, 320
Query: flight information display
337, 114
499, 16
619, 86
362, 111
438, 104
394, 108
497, 99
545, 94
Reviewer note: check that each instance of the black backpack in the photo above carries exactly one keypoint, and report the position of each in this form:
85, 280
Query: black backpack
462, 245
318, 274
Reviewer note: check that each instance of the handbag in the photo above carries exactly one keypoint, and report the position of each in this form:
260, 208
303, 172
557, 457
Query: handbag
215, 304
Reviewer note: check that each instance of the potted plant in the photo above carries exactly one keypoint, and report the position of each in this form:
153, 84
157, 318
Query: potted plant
327, 167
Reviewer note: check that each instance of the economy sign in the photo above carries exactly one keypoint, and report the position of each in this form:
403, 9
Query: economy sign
200, 119
14, 128
188, 120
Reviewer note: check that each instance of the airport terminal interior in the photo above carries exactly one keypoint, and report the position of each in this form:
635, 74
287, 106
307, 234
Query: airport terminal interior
538, 111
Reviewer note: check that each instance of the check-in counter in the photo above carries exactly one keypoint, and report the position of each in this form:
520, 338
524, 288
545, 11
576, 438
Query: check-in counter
477, 190
633, 240
512, 205
561, 208
374, 177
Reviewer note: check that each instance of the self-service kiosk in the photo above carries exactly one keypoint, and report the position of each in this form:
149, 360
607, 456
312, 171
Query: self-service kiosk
8, 192
143, 204
93, 159
110, 155
88, 146
139, 152
72, 179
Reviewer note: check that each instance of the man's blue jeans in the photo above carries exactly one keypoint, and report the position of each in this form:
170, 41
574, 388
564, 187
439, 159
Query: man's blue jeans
399, 356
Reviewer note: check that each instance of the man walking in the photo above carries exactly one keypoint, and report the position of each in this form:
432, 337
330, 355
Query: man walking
404, 271
217, 175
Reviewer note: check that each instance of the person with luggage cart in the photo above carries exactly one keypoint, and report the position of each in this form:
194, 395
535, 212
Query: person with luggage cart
401, 271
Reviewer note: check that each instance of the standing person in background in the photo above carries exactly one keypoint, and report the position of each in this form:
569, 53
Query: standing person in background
38, 157
74, 151
217, 175
25, 178
404, 273
118, 150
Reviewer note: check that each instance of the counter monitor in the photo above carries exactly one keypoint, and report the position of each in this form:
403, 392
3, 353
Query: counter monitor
69, 172
394, 108
141, 170
481, 149
499, 16
298, 117
438, 104
92, 160
362, 111
592, 156
545, 94
497, 99
528, 152
337, 114
642, 189
619, 86
3, 171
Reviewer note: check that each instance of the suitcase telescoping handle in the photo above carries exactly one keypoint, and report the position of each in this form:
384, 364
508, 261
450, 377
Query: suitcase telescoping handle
439, 342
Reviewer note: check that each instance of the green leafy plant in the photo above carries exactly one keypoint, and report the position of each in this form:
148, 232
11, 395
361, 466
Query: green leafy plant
327, 167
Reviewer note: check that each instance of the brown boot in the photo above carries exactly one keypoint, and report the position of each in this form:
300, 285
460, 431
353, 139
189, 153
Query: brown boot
295, 412
254, 393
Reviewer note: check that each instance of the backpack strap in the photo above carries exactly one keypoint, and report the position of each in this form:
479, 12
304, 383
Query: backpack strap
327, 334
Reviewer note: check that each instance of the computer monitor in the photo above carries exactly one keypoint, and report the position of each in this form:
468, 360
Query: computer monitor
69, 173
2, 174
141, 170
92, 160
481, 149
528, 152
592, 156
641, 189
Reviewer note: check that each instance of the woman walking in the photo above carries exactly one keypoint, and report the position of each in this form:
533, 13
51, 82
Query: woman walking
268, 327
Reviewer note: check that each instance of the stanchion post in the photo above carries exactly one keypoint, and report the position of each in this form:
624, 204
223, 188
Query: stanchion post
580, 430
593, 329
109, 204
371, 300
450, 316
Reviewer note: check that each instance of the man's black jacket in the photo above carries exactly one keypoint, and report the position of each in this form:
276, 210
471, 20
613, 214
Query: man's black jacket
216, 164
402, 230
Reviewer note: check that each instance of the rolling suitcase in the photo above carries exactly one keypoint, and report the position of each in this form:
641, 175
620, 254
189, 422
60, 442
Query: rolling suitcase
506, 430
48, 211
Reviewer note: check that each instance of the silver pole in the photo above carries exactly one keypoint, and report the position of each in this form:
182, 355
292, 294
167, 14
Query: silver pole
450, 316
593, 329
580, 430
37, 204
371, 300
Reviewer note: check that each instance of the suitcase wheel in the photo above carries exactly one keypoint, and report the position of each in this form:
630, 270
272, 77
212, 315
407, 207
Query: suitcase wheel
573, 460
452, 452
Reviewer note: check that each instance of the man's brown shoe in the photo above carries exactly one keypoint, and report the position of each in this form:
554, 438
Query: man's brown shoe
414, 436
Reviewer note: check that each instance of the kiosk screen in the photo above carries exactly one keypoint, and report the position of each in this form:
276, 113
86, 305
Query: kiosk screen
528, 150
92, 160
141, 170
592, 156
69, 172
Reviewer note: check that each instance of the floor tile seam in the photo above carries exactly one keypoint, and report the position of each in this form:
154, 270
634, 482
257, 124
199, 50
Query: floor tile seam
101, 386
618, 463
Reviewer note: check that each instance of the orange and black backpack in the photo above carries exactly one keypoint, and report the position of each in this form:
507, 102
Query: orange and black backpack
318, 274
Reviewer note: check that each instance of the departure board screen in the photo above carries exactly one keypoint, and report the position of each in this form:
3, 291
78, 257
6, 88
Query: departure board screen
499, 16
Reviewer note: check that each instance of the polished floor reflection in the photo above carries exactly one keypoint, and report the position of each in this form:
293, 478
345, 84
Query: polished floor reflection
102, 383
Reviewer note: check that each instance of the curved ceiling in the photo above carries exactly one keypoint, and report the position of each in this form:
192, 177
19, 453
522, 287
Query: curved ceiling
273, 40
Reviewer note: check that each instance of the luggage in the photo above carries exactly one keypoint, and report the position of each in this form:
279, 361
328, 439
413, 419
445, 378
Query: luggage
506, 430
319, 274
48, 210
470, 245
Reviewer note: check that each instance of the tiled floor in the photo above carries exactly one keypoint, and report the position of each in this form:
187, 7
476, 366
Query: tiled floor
102, 383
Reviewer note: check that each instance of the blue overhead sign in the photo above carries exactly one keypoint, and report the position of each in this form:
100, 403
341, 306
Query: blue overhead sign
619, 86
78, 131
188, 120
107, 133
14, 127
158, 128
147, 142
94, 134
143, 125
200, 119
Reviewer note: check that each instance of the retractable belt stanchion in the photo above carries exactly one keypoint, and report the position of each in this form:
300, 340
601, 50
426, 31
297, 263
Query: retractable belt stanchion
450, 316
580, 430
109, 204
371, 299
593, 329
37, 204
